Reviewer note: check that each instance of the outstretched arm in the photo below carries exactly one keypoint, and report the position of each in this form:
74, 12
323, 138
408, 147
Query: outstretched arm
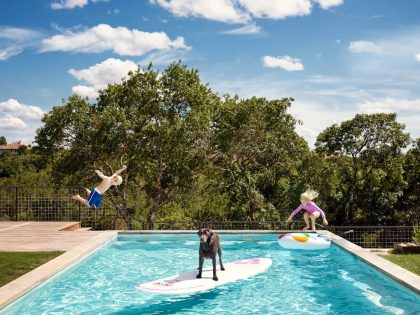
100, 174
294, 212
122, 169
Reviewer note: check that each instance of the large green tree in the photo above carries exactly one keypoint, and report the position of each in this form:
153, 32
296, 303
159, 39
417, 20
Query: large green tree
258, 152
409, 201
371, 143
3, 140
158, 123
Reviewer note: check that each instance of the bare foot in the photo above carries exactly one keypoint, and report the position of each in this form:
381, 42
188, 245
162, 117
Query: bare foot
306, 227
314, 229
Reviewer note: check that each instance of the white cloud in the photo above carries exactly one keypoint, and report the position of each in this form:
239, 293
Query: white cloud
26, 112
285, 62
100, 75
8, 52
389, 105
19, 121
15, 40
18, 34
247, 29
395, 61
8, 122
216, 10
364, 46
241, 11
120, 40
68, 4
71, 4
270, 9
417, 56
163, 57
316, 116
84, 90
326, 4
322, 79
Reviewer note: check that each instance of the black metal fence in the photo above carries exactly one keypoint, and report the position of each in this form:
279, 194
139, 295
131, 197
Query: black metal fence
56, 204
226, 225
53, 204
374, 236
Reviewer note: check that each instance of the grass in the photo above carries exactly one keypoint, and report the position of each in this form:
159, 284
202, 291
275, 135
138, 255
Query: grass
15, 264
410, 262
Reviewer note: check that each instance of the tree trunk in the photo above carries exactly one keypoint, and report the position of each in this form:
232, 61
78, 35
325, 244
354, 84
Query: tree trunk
127, 218
348, 205
123, 209
157, 199
151, 217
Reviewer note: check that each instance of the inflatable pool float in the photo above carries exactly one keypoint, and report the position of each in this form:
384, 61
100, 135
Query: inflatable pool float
307, 241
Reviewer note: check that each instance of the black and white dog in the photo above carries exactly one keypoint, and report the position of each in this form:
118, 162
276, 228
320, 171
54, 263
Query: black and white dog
209, 246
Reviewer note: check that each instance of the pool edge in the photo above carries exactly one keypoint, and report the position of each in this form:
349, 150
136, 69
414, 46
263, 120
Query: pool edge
29, 281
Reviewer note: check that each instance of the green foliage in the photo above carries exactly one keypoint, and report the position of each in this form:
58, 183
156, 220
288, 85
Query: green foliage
257, 152
374, 144
370, 239
3, 140
328, 176
409, 200
25, 169
416, 233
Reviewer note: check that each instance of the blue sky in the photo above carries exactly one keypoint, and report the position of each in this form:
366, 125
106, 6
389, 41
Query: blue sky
335, 57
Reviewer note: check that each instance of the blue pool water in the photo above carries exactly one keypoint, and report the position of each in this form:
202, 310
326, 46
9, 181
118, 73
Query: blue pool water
299, 282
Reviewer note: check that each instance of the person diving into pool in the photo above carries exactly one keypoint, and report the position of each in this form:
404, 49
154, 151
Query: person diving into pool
311, 209
95, 196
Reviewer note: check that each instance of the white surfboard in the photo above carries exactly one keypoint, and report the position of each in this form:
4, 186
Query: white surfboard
187, 282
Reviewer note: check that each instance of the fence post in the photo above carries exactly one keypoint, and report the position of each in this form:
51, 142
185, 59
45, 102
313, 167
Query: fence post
16, 203
79, 205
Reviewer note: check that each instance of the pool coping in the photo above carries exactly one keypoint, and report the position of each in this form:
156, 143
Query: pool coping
29, 281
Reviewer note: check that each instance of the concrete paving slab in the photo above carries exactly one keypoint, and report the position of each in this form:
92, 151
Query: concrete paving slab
41, 236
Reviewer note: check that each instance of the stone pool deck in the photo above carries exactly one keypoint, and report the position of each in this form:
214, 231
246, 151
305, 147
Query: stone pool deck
18, 236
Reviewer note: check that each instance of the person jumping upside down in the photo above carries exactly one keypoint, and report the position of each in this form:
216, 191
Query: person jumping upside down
95, 196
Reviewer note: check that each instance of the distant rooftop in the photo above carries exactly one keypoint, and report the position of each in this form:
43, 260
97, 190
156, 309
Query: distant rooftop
11, 146
14, 146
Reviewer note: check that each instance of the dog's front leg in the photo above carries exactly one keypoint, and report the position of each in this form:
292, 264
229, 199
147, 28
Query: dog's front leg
200, 264
214, 267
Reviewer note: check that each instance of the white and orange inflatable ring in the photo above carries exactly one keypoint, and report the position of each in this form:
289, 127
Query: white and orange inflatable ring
306, 241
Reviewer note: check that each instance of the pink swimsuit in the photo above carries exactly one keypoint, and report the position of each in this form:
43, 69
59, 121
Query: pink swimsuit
310, 208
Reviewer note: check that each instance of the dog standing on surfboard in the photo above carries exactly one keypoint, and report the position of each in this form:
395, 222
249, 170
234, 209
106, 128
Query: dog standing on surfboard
209, 247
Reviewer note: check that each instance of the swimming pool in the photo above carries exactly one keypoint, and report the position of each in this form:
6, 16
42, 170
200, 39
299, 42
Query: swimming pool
298, 282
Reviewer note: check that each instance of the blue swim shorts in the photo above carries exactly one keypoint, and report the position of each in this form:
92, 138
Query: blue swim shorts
95, 199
